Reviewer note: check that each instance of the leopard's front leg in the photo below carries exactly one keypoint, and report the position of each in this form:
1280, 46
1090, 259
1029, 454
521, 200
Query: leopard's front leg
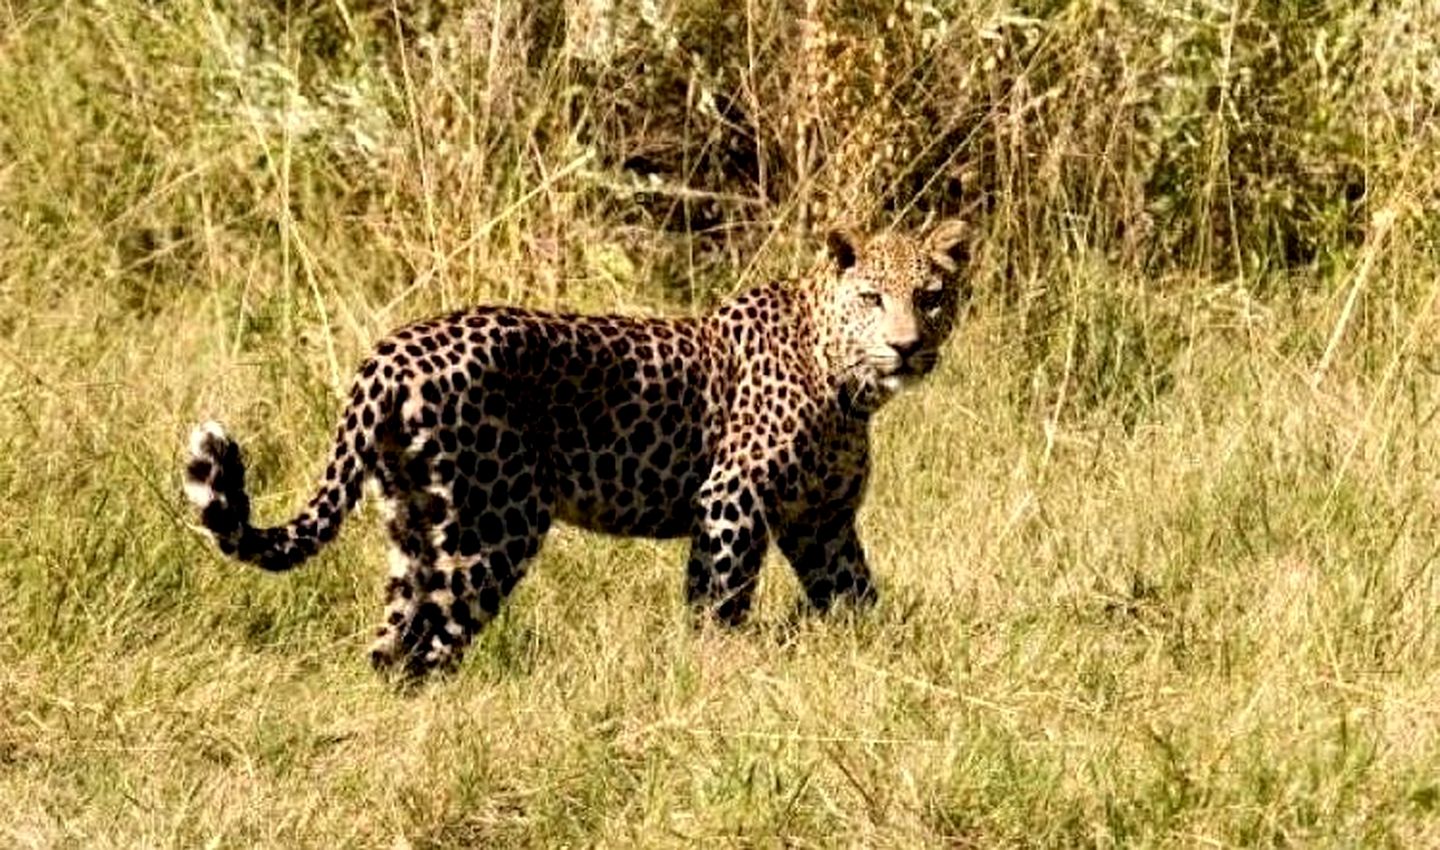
729, 543
828, 559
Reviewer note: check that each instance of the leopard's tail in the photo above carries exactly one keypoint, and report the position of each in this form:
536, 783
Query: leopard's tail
215, 483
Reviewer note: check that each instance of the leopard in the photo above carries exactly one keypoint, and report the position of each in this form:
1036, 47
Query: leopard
737, 427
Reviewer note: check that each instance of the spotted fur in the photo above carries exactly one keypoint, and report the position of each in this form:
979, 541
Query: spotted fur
741, 427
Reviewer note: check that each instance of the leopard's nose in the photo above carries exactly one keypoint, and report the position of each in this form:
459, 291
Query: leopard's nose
906, 348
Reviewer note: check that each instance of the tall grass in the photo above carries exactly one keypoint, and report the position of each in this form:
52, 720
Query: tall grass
1157, 543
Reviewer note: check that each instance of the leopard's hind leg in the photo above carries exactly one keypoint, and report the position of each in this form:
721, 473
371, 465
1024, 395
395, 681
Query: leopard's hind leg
499, 512
467, 515
411, 509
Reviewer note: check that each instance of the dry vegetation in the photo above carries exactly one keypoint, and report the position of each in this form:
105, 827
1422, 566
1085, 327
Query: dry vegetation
1158, 544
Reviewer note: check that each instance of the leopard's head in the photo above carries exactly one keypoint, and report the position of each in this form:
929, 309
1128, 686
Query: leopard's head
888, 304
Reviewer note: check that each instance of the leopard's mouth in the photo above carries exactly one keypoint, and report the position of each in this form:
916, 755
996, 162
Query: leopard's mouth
917, 365
890, 372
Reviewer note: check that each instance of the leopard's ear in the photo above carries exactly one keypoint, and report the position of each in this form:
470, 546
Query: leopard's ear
841, 244
948, 244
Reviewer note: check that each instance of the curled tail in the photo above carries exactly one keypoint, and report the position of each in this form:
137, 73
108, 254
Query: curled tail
215, 483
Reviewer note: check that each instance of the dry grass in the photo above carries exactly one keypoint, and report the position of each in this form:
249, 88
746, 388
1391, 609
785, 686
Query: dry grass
1157, 544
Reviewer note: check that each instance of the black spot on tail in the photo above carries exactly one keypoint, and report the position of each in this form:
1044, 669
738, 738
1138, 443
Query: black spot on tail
215, 483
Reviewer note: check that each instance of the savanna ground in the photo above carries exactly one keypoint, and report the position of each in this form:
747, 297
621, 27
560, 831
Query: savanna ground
1158, 543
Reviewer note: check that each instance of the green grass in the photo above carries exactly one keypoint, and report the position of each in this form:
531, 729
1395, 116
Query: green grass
1157, 543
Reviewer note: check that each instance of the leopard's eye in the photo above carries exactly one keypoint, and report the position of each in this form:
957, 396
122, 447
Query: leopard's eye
928, 299
872, 299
